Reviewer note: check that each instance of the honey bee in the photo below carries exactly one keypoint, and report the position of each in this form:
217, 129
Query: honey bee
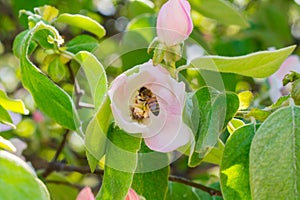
145, 101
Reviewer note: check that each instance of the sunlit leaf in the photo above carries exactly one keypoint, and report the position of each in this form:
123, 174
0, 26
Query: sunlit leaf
47, 12
19, 179
234, 169
12, 104
275, 156
82, 22
259, 65
6, 144
234, 124
245, 99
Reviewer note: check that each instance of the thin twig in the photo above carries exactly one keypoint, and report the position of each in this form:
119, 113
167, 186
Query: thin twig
211, 191
49, 168
59, 166
61, 146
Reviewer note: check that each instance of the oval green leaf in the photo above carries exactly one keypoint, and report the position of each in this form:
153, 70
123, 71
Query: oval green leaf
82, 22
275, 156
258, 65
234, 168
18, 181
82, 43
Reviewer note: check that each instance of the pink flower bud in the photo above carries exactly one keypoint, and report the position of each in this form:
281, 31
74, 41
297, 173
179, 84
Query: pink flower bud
132, 195
276, 87
151, 102
174, 23
85, 194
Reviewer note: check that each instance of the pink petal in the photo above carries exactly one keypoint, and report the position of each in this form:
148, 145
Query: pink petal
132, 195
169, 139
85, 194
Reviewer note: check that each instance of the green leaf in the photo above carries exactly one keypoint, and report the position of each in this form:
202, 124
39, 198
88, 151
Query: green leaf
258, 114
6, 144
56, 70
234, 169
41, 38
5, 117
82, 43
120, 163
12, 104
258, 65
220, 10
234, 124
18, 181
95, 74
18, 44
82, 22
283, 100
215, 155
151, 184
96, 134
275, 156
47, 12
50, 98
178, 191
245, 98
216, 110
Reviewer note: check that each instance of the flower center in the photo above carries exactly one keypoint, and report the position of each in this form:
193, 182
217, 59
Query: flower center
144, 102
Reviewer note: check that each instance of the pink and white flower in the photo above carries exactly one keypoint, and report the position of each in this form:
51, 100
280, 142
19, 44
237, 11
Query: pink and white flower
276, 87
174, 23
163, 131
